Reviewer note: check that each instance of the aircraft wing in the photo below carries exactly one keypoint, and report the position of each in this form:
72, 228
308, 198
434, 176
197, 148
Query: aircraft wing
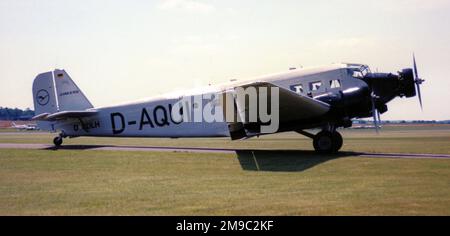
63, 115
293, 106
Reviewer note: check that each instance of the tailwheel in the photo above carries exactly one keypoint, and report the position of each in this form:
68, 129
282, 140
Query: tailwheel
327, 142
58, 141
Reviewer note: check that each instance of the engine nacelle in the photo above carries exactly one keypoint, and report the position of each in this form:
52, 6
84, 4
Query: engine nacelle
406, 86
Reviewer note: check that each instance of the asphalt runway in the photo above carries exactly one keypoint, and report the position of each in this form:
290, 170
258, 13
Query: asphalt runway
206, 150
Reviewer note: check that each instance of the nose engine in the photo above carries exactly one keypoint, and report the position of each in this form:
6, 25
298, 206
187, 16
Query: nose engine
386, 86
406, 83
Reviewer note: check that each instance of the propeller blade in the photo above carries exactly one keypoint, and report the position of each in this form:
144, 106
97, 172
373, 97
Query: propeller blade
374, 112
418, 81
378, 116
420, 96
416, 74
376, 123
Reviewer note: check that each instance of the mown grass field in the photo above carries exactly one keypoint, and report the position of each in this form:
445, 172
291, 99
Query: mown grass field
291, 181
403, 139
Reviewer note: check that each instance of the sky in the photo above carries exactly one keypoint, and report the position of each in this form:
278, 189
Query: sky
119, 51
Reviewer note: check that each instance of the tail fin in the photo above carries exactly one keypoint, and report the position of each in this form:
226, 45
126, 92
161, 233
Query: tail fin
55, 91
44, 94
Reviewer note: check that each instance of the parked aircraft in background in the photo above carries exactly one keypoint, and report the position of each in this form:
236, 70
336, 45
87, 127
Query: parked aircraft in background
24, 127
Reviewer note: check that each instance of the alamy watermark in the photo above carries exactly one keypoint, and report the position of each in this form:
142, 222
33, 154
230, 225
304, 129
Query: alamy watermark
258, 105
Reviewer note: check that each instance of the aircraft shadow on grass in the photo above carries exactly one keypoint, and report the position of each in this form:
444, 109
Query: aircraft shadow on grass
284, 160
251, 160
74, 147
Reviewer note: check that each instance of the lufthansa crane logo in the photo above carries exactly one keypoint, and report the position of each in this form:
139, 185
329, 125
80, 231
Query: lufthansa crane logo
42, 97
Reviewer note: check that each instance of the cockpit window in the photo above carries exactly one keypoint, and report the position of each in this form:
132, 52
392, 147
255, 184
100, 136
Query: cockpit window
358, 71
314, 86
357, 74
365, 70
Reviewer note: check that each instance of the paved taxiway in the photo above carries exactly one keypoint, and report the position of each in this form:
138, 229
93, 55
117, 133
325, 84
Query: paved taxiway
199, 150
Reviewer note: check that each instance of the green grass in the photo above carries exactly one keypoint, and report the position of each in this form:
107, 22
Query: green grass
289, 181
408, 139
7, 130
162, 183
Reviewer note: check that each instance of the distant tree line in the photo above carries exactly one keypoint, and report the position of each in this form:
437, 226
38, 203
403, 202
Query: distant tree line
15, 113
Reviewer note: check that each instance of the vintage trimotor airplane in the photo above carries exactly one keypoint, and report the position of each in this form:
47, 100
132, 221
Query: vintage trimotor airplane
327, 98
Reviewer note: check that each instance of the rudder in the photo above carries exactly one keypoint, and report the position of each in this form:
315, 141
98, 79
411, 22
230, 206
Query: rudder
69, 96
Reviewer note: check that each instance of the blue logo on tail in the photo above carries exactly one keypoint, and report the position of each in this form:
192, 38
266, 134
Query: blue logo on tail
43, 97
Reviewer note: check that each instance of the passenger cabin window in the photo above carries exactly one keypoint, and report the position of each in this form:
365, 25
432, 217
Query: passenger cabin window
297, 88
335, 83
314, 86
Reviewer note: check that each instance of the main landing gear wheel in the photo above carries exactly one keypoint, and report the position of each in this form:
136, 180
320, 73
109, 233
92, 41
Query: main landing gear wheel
58, 141
327, 142
337, 141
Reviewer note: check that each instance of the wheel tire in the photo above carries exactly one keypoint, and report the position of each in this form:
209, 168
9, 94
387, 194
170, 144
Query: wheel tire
337, 141
323, 142
57, 141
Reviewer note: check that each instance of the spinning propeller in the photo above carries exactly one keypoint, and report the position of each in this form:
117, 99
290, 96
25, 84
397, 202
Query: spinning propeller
418, 81
375, 113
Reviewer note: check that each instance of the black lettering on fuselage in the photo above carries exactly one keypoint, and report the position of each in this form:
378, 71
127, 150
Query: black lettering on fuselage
160, 118
164, 119
147, 121
86, 126
93, 125
115, 129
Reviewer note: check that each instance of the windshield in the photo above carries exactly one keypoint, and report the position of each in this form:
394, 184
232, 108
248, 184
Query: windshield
365, 70
358, 71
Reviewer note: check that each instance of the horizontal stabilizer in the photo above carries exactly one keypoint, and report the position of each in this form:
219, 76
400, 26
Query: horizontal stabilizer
64, 115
